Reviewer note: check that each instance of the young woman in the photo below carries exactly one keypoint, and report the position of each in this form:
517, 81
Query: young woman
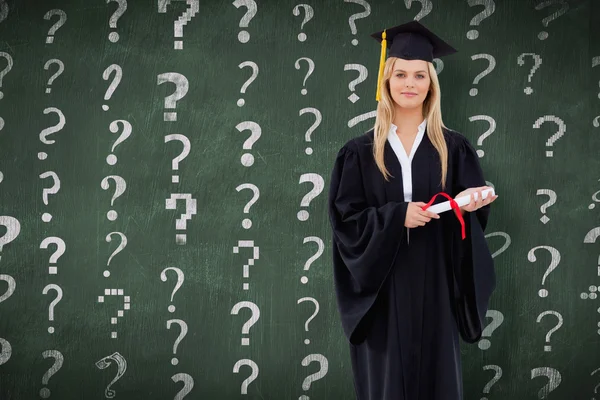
409, 282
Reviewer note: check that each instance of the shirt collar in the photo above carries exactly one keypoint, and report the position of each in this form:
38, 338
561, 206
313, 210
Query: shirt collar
422, 126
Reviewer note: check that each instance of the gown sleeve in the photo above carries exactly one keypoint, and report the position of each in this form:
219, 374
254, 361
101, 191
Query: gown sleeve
472, 264
365, 241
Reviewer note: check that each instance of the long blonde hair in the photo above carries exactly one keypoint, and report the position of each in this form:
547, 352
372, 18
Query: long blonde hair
431, 110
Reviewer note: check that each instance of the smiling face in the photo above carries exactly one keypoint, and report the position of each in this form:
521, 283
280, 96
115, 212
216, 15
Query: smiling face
409, 76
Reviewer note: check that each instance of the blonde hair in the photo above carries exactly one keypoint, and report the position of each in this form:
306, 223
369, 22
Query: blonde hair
431, 110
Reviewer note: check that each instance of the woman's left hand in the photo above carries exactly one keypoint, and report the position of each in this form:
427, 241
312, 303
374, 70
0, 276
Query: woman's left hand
476, 204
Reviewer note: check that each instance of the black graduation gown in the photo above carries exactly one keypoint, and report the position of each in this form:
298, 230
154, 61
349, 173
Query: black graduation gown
403, 305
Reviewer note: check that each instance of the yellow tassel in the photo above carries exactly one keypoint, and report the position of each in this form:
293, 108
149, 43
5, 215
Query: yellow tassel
381, 64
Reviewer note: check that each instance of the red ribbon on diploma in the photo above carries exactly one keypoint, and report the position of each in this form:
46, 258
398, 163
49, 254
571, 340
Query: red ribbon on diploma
454, 206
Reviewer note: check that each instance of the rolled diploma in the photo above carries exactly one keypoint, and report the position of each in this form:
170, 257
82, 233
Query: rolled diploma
462, 201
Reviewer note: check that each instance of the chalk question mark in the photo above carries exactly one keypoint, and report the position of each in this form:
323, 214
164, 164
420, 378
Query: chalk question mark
251, 378
554, 379
356, 16
247, 158
178, 284
537, 60
181, 88
254, 68
52, 129
3, 73
181, 222
551, 331
492, 128
118, 75
360, 118
12, 285
13, 228
183, 331
60, 250
553, 264
320, 249
6, 352
62, 18
552, 195
59, 295
315, 125
122, 245
60, 70
47, 217
491, 65
595, 387
111, 159
184, 153
112, 22
105, 362
426, 7
497, 319
244, 36
188, 385
120, 313
596, 199
181, 21
254, 317
543, 35
562, 128
58, 362
311, 68
324, 367
308, 14
247, 222
489, 8
255, 256
496, 378
3, 10
316, 303
318, 186
120, 187
363, 74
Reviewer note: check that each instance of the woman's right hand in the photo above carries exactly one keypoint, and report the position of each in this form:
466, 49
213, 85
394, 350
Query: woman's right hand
415, 216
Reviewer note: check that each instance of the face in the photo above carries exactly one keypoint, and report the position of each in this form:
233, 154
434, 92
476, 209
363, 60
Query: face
409, 76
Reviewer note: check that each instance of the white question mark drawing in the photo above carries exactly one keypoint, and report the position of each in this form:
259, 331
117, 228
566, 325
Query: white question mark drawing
562, 128
251, 378
112, 22
118, 75
253, 319
308, 14
320, 249
59, 295
181, 222
553, 264
255, 256
111, 159
252, 7
316, 303
61, 68
426, 7
120, 186
13, 228
120, 313
62, 18
595, 121
356, 16
315, 125
496, 378
554, 379
12, 285
180, 280
491, 129
3, 10
318, 186
489, 8
595, 197
363, 74
537, 60
184, 153
52, 129
552, 195
181, 88
47, 217
360, 118
543, 35
491, 65
122, 245
590, 237
3, 73
255, 70
595, 387
183, 331
497, 320
324, 368
105, 362
58, 362
194, 7
311, 68
247, 158
247, 222
188, 385
6, 352
506, 242
551, 331
60, 250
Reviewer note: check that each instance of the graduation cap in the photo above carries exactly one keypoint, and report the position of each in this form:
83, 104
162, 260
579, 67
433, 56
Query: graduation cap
410, 41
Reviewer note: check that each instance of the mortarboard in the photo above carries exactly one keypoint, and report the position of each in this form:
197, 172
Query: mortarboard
410, 41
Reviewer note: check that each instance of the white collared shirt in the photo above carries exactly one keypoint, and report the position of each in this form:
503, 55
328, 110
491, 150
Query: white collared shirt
406, 159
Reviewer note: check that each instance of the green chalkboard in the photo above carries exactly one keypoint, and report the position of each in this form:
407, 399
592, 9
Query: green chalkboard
164, 166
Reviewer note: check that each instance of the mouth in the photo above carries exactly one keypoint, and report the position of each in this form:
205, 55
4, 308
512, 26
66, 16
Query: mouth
410, 94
